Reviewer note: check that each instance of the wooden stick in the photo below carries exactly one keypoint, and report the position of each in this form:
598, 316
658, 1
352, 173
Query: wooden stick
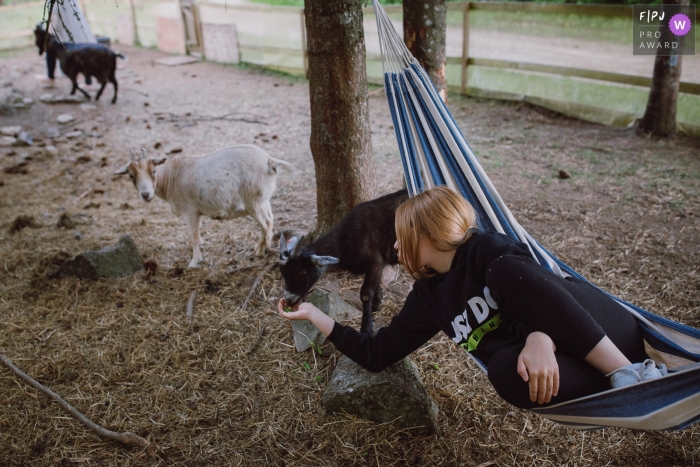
130, 439
257, 283
189, 309
257, 341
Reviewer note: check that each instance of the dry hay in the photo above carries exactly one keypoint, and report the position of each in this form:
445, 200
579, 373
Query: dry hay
227, 388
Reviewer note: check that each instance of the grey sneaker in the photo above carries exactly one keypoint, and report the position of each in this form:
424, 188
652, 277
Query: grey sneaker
635, 373
625, 376
651, 371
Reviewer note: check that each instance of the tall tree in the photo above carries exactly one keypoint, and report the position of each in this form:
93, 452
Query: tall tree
660, 116
341, 143
424, 29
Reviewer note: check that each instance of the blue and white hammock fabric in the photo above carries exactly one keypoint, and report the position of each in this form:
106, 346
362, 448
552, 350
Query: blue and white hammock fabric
434, 152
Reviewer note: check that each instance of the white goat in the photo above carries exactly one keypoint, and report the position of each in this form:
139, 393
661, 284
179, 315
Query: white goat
229, 183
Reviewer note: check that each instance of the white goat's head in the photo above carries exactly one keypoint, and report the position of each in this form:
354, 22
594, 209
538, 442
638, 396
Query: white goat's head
142, 172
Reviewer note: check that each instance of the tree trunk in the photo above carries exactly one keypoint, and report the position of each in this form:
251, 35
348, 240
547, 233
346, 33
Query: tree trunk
424, 26
341, 143
660, 115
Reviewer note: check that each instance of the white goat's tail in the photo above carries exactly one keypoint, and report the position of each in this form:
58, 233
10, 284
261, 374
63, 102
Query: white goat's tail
274, 163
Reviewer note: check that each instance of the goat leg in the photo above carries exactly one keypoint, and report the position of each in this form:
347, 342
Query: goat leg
114, 82
369, 292
75, 86
192, 220
99, 93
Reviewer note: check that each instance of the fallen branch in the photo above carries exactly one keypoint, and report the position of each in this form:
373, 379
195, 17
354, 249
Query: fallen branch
256, 284
189, 309
257, 341
130, 439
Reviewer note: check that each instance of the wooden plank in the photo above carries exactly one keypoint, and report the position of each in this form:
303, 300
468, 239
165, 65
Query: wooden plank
254, 7
558, 8
304, 48
685, 87
16, 34
465, 46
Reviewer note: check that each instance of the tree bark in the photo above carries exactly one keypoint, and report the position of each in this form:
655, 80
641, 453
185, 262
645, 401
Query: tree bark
660, 116
341, 143
424, 29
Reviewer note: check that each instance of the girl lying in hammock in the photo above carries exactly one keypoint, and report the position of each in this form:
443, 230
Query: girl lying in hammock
544, 339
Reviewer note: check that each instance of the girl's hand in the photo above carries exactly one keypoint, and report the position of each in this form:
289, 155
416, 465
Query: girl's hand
538, 366
307, 311
298, 311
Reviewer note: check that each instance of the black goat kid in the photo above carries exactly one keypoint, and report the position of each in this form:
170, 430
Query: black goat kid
94, 60
361, 243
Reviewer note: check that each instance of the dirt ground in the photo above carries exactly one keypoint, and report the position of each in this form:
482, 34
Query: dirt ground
229, 389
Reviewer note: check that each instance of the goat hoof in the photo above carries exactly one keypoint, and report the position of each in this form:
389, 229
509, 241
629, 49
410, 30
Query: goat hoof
194, 264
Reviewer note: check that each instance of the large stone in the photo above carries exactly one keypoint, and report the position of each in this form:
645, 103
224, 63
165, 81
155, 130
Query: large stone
109, 262
10, 130
395, 394
331, 304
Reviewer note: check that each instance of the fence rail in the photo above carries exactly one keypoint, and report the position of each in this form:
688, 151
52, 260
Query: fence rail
259, 47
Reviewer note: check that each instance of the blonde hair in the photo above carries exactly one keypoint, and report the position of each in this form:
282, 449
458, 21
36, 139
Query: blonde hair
439, 215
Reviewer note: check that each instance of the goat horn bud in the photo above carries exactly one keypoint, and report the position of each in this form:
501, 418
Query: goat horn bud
132, 155
143, 152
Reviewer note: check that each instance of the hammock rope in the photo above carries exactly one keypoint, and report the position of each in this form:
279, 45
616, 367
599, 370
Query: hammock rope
434, 152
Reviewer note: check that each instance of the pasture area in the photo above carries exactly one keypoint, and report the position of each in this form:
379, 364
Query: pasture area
229, 389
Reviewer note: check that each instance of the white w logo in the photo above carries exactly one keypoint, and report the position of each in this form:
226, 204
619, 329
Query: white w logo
680, 25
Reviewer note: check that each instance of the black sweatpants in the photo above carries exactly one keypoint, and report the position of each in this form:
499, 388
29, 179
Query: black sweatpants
575, 314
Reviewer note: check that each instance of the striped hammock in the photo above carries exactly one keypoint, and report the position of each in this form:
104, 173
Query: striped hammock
434, 152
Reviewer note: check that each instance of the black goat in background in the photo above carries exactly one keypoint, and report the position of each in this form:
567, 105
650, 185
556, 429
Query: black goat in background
94, 60
361, 243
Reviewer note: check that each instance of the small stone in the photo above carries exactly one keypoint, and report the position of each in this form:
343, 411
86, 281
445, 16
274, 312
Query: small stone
158, 145
125, 206
65, 118
27, 101
7, 141
74, 134
51, 150
563, 174
87, 107
11, 130
53, 132
78, 235
24, 139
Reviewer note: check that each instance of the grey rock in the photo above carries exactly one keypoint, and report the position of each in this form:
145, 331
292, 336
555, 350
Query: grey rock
395, 394
7, 141
53, 132
62, 99
65, 118
10, 130
24, 139
109, 262
74, 134
78, 235
329, 303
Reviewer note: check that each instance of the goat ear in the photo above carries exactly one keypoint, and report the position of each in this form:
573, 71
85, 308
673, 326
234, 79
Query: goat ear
159, 161
324, 260
123, 170
284, 254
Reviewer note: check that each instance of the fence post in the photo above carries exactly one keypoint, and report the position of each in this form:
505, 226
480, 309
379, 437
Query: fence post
137, 42
465, 45
304, 51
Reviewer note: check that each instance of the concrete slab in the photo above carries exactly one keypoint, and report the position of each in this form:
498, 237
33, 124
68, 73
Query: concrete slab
176, 60
220, 42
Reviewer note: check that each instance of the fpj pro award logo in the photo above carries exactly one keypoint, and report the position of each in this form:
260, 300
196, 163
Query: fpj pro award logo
664, 29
